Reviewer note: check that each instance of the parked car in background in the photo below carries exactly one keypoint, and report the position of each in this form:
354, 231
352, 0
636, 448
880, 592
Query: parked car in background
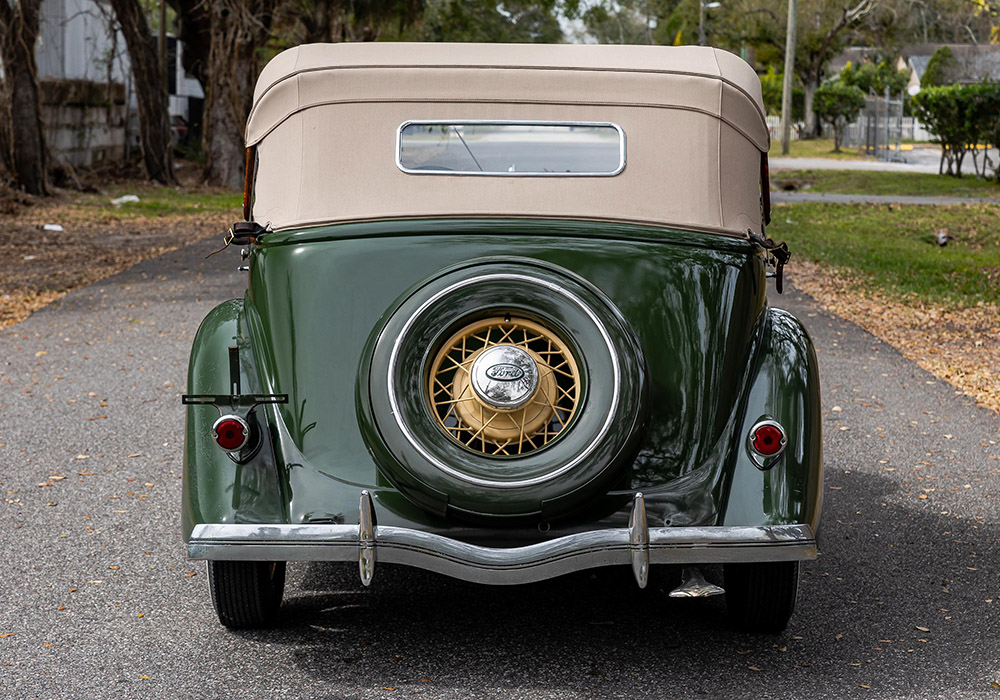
506, 318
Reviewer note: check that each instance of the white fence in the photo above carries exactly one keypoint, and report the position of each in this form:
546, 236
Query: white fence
910, 130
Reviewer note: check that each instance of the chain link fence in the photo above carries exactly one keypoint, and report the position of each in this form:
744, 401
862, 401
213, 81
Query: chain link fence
878, 131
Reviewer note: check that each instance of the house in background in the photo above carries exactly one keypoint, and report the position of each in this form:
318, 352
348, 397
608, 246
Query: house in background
974, 62
87, 90
855, 55
83, 73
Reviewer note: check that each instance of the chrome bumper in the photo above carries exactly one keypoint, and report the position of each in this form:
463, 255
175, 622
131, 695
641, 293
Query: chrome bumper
637, 545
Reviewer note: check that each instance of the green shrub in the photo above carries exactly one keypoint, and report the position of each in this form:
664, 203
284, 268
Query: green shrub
838, 104
961, 117
941, 69
771, 84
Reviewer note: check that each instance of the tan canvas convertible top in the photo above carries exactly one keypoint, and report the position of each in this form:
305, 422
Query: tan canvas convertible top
325, 119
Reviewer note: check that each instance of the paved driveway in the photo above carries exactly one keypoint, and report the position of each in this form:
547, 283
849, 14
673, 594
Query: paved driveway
100, 602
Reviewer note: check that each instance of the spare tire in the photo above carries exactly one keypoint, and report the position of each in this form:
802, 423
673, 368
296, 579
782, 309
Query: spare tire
505, 388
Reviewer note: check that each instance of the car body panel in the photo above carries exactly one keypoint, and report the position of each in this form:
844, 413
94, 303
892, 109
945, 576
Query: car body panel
696, 303
506, 318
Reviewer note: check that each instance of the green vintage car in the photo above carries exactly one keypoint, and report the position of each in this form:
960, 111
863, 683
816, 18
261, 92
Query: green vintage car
505, 319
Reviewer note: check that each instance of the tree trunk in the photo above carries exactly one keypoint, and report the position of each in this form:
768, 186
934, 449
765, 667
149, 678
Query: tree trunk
812, 124
194, 30
6, 158
239, 27
150, 90
18, 34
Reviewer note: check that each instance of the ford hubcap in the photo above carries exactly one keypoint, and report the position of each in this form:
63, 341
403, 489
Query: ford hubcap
505, 377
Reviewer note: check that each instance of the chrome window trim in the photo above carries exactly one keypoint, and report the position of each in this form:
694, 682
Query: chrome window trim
404, 429
503, 122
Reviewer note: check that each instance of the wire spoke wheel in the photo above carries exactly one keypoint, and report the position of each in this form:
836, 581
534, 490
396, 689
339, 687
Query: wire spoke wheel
546, 387
480, 401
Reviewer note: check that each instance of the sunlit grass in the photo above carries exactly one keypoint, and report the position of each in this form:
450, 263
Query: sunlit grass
882, 183
815, 148
157, 202
893, 248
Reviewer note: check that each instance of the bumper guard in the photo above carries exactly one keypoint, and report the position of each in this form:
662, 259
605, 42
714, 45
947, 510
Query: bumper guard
637, 545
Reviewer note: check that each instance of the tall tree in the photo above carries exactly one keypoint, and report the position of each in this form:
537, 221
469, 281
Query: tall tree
239, 29
310, 21
514, 21
825, 27
151, 92
18, 34
224, 41
638, 21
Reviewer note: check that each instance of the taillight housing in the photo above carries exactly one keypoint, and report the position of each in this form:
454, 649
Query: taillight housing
231, 433
766, 441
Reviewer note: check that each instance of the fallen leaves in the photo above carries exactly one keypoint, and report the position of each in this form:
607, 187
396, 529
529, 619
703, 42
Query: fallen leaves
947, 342
93, 247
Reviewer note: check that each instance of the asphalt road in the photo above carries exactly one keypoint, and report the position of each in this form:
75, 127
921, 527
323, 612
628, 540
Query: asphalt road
100, 602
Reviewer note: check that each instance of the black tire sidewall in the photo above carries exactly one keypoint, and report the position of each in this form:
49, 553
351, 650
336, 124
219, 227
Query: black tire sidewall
603, 346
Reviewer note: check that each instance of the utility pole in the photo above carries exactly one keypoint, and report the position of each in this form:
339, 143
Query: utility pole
704, 6
786, 87
701, 23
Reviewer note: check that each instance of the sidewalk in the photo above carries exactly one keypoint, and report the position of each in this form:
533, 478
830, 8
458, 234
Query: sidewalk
793, 197
921, 159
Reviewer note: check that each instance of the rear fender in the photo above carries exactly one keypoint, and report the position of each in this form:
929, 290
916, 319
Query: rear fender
216, 488
785, 388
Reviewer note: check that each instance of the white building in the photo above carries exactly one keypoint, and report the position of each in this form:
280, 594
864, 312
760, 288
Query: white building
86, 84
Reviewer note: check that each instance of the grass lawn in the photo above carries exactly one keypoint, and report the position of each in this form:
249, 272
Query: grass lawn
97, 238
877, 182
892, 248
814, 148
157, 201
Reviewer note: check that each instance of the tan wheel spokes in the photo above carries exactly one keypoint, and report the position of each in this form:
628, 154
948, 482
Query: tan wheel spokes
487, 429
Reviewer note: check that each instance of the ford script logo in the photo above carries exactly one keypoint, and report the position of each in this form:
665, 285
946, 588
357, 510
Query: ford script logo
505, 372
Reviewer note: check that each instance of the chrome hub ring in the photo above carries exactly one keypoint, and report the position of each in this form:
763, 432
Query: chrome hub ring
505, 377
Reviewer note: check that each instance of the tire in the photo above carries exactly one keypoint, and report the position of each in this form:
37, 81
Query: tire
594, 446
246, 594
760, 596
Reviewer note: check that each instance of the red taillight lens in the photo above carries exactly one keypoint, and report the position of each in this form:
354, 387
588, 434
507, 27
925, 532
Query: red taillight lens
230, 433
768, 439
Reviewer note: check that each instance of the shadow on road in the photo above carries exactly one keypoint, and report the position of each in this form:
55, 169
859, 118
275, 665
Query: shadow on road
866, 617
